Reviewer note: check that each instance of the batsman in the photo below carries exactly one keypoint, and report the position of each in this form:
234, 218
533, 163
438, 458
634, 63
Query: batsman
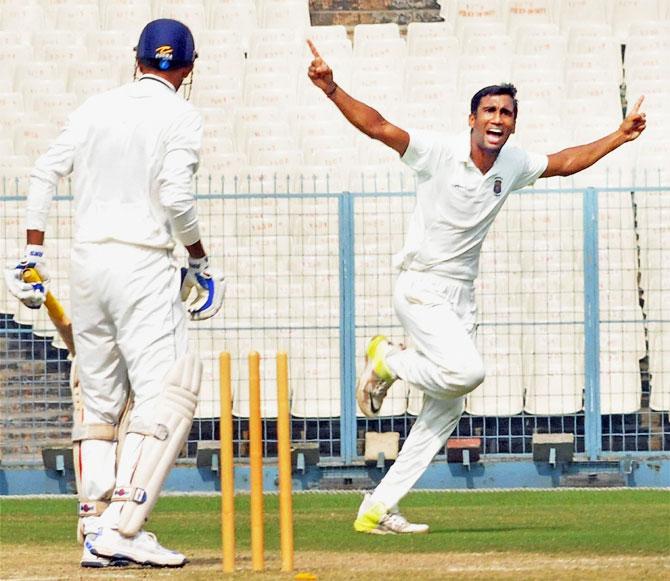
132, 153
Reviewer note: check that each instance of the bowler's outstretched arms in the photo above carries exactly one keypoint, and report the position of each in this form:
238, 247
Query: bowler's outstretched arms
575, 159
360, 115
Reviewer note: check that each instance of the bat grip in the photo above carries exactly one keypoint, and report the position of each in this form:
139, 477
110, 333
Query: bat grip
50, 301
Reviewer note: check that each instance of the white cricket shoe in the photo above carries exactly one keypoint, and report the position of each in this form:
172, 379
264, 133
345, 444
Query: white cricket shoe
143, 549
376, 519
377, 378
89, 560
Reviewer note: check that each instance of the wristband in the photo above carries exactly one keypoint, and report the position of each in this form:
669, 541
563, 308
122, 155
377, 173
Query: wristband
330, 93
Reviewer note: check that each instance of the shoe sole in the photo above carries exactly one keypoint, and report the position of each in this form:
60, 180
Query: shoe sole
362, 397
138, 561
99, 565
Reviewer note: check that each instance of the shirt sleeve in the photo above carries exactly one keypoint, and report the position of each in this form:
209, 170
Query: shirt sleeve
532, 167
424, 153
182, 156
56, 163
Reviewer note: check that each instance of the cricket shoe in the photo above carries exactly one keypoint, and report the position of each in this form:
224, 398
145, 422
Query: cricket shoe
377, 378
89, 560
376, 519
143, 549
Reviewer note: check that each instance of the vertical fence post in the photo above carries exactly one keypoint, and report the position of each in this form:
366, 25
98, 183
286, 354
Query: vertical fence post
345, 206
592, 418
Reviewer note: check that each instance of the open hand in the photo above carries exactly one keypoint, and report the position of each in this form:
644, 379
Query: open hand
635, 122
319, 72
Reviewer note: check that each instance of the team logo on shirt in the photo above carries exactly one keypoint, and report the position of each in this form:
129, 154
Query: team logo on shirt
164, 52
497, 186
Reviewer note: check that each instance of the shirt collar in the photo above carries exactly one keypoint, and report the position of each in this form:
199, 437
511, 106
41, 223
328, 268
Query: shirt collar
161, 80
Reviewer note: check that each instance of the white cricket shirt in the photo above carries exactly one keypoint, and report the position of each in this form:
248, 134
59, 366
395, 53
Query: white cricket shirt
456, 204
133, 151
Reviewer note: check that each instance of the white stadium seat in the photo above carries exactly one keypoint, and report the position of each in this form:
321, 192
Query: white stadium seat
364, 32
624, 12
573, 12
76, 17
284, 14
192, 14
553, 363
659, 366
326, 33
501, 394
522, 12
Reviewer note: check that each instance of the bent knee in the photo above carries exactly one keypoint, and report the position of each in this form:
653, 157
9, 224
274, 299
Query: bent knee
465, 379
473, 377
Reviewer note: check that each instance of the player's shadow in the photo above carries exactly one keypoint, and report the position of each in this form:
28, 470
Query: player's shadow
505, 529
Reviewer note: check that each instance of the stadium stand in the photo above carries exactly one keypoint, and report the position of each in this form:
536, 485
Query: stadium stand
268, 130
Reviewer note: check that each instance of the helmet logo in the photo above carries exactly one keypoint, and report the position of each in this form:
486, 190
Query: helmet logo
164, 55
164, 52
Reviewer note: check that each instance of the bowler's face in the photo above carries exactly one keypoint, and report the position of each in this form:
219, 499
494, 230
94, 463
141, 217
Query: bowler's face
493, 122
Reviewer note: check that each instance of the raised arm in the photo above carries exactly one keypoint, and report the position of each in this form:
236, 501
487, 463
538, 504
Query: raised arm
575, 159
360, 115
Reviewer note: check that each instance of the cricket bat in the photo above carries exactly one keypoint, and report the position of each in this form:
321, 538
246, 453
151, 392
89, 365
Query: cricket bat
55, 310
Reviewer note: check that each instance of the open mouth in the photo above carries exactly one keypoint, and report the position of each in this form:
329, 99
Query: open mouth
494, 135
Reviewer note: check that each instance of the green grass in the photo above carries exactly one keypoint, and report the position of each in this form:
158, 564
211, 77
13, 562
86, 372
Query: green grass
613, 522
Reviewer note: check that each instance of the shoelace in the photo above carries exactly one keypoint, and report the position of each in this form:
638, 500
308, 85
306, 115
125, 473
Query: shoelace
396, 520
153, 539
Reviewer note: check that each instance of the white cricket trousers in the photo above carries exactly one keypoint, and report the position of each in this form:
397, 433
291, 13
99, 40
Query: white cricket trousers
129, 329
438, 315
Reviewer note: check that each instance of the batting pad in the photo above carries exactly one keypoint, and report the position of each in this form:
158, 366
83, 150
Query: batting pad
164, 438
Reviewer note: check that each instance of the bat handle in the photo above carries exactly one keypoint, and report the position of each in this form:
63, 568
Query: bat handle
50, 301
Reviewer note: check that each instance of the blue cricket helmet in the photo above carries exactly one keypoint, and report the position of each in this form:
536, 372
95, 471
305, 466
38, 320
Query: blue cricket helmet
166, 44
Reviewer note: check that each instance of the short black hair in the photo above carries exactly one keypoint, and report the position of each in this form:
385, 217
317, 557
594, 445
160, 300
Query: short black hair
502, 89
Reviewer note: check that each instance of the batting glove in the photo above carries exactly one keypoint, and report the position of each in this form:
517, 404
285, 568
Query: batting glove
202, 289
32, 295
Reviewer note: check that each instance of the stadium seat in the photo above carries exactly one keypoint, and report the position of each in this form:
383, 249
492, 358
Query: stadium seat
26, 17
326, 33
237, 17
319, 179
620, 381
553, 363
461, 12
381, 48
659, 366
365, 32
535, 29
129, 17
480, 30
189, 12
522, 12
76, 17
213, 146
626, 11
493, 46
446, 49
422, 30
552, 48
276, 130
501, 394
224, 99
270, 80
331, 49
530, 70
286, 14
327, 151
573, 12
380, 178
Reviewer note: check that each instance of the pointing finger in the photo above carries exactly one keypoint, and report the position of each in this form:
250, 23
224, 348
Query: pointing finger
313, 49
637, 105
